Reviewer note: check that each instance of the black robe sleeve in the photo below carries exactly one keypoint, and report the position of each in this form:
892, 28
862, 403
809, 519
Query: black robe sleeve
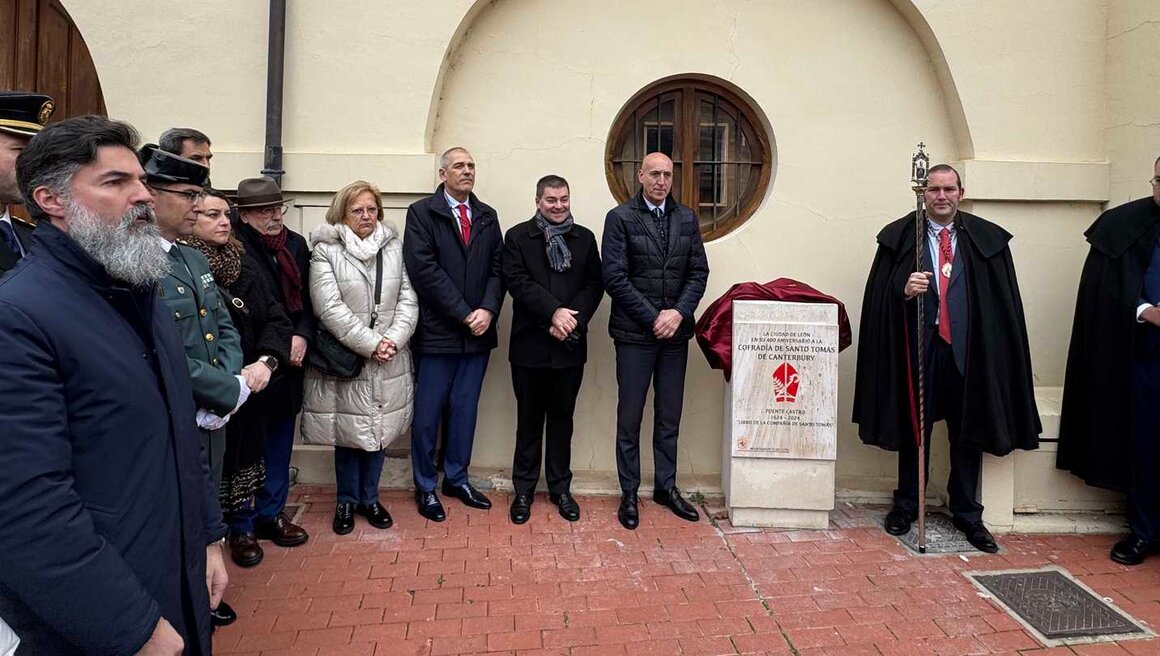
1095, 423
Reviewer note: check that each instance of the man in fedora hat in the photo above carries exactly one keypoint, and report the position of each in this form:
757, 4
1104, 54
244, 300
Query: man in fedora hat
284, 260
213, 347
22, 115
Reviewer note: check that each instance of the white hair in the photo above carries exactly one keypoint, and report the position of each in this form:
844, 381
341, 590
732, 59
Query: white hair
130, 251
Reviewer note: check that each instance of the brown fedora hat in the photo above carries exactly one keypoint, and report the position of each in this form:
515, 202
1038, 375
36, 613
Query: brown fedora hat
258, 192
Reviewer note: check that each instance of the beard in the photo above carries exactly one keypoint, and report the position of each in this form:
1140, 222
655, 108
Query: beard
130, 251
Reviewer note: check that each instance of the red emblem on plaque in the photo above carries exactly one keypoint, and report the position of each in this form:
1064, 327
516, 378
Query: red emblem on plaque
785, 383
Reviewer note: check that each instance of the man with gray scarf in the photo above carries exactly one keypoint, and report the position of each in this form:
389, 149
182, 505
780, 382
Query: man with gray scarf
551, 267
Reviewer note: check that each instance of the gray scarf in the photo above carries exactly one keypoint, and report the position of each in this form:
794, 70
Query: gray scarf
559, 257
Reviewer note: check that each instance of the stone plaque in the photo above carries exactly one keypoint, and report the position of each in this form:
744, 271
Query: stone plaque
785, 380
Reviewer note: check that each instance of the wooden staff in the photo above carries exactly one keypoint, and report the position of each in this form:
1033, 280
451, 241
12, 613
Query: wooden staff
919, 164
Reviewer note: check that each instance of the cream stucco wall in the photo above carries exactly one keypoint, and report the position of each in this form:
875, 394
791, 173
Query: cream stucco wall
1049, 106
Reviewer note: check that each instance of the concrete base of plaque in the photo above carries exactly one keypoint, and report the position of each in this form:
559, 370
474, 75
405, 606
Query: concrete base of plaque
781, 415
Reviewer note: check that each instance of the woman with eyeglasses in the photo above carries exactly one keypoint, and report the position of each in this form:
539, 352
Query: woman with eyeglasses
265, 334
364, 300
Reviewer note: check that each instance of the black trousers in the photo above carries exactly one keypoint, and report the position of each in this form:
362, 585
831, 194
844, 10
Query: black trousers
944, 400
545, 402
1143, 482
637, 366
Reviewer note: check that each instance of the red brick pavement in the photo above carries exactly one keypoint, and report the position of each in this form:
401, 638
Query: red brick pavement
477, 584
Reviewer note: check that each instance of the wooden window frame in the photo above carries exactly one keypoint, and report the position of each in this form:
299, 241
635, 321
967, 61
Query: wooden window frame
686, 140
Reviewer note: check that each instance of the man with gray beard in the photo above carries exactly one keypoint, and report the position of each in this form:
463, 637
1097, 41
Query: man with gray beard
112, 529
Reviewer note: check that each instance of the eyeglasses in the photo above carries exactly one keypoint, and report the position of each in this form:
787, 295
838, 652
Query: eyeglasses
363, 211
271, 210
191, 197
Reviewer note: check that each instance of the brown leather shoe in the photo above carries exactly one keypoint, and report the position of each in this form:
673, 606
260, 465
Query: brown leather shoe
245, 550
281, 532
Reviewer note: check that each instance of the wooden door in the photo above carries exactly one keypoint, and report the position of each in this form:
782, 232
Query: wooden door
41, 50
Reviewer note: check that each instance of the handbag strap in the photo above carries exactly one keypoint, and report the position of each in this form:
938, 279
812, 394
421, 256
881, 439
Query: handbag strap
378, 287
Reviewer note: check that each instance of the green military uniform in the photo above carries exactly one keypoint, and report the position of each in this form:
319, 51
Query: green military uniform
213, 347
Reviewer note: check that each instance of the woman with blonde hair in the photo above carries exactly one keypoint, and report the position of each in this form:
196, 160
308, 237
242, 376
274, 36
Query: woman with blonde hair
364, 300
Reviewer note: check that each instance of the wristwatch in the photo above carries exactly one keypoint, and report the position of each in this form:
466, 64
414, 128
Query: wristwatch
270, 361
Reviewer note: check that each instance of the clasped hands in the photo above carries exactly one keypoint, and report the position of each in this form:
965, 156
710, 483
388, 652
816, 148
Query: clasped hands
563, 323
386, 350
667, 323
478, 321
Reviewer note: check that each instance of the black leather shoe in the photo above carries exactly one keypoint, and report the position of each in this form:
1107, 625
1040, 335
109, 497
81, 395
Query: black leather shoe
245, 550
521, 508
673, 500
429, 506
627, 513
569, 509
281, 531
978, 535
343, 518
1131, 550
897, 522
223, 615
470, 496
377, 516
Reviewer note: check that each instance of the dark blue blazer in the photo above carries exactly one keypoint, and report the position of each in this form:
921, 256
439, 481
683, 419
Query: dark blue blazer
106, 500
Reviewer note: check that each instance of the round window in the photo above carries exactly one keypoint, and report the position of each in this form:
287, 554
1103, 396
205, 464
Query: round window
722, 159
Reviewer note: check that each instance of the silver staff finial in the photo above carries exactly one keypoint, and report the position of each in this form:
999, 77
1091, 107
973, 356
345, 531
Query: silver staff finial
919, 164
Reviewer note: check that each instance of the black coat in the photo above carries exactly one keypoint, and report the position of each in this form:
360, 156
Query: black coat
450, 279
265, 330
642, 278
284, 395
999, 412
106, 499
23, 231
1095, 424
538, 291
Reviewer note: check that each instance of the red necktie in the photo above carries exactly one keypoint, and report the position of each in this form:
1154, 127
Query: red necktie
945, 259
464, 223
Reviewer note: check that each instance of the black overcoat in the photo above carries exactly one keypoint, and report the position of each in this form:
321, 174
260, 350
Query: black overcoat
284, 395
1095, 424
999, 412
106, 499
538, 291
265, 330
450, 279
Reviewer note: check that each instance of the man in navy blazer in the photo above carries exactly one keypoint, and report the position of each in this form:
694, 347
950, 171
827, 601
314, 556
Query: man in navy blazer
112, 530
452, 248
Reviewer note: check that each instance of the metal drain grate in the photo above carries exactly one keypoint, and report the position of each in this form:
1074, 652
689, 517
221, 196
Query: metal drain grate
941, 536
1056, 607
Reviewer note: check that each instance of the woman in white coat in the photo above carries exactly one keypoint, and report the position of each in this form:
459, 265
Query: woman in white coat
360, 416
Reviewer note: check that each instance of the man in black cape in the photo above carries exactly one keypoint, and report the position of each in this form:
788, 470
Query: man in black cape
977, 364
1111, 396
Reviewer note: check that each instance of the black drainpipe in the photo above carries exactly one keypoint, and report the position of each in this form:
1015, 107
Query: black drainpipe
275, 65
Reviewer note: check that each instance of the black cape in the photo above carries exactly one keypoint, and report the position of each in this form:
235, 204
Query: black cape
1095, 424
999, 412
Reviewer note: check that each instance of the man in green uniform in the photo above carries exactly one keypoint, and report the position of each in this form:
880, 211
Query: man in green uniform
213, 347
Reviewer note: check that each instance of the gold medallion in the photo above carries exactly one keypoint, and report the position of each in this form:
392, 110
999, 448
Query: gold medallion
946, 270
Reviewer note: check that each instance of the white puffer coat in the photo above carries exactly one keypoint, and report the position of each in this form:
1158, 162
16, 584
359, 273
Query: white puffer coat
369, 411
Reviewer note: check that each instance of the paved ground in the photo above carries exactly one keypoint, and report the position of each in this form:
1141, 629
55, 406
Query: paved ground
478, 584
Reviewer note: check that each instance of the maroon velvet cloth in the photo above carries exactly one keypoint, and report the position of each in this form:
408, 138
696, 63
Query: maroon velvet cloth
715, 327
